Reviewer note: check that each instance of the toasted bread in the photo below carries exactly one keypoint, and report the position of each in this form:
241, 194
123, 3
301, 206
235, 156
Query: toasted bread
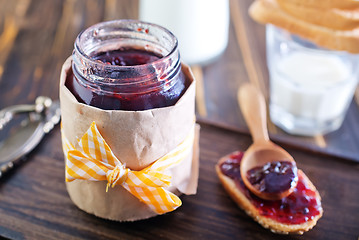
344, 4
334, 18
243, 202
269, 11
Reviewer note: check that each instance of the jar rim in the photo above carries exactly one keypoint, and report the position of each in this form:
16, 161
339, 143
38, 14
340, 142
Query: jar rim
125, 22
132, 34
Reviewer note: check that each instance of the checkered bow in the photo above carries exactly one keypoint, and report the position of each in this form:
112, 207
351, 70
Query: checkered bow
94, 161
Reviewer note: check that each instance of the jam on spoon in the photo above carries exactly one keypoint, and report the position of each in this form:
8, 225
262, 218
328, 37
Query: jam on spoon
273, 177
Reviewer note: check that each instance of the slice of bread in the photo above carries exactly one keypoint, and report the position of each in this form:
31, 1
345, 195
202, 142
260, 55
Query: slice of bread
243, 202
344, 4
334, 18
269, 11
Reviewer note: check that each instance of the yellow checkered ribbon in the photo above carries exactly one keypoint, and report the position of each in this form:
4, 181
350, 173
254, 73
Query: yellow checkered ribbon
95, 161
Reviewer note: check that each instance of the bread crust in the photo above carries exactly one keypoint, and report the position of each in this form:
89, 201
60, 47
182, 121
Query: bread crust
269, 11
334, 18
344, 4
275, 226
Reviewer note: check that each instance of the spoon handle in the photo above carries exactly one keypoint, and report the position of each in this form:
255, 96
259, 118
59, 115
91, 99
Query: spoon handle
253, 107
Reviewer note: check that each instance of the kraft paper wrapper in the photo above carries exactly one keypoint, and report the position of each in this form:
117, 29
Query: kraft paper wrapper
137, 138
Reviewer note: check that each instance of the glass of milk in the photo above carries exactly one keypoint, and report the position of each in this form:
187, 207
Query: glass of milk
311, 88
201, 26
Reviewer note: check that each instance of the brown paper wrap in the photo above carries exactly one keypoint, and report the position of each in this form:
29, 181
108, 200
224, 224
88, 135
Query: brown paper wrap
137, 138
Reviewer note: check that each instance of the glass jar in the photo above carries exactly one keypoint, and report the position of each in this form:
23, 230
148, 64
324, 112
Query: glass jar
126, 65
311, 87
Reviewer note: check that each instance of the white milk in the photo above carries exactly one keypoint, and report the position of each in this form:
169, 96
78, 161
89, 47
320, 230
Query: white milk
201, 26
311, 87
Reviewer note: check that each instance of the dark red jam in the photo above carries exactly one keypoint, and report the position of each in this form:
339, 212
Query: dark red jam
132, 99
273, 177
300, 206
126, 57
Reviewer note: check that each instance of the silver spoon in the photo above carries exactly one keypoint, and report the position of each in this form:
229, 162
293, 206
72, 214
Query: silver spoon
40, 118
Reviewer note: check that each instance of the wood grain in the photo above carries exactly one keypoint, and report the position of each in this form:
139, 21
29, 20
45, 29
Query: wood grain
36, 36
200, 91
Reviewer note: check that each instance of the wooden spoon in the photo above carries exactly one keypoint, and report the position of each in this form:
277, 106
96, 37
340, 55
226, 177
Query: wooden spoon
262, 151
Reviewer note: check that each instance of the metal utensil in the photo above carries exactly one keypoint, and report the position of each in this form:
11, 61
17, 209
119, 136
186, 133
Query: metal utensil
36, 120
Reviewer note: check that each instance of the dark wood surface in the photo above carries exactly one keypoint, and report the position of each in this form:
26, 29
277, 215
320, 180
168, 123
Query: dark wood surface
36, 36
34, 203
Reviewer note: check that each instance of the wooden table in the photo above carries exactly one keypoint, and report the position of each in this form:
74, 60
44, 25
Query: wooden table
35, 39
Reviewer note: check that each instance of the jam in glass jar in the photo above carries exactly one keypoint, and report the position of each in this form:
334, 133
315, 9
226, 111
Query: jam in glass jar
126, 65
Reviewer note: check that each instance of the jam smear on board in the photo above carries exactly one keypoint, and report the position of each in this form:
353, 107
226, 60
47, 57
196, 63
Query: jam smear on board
273, 177
300, 206
115, 99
